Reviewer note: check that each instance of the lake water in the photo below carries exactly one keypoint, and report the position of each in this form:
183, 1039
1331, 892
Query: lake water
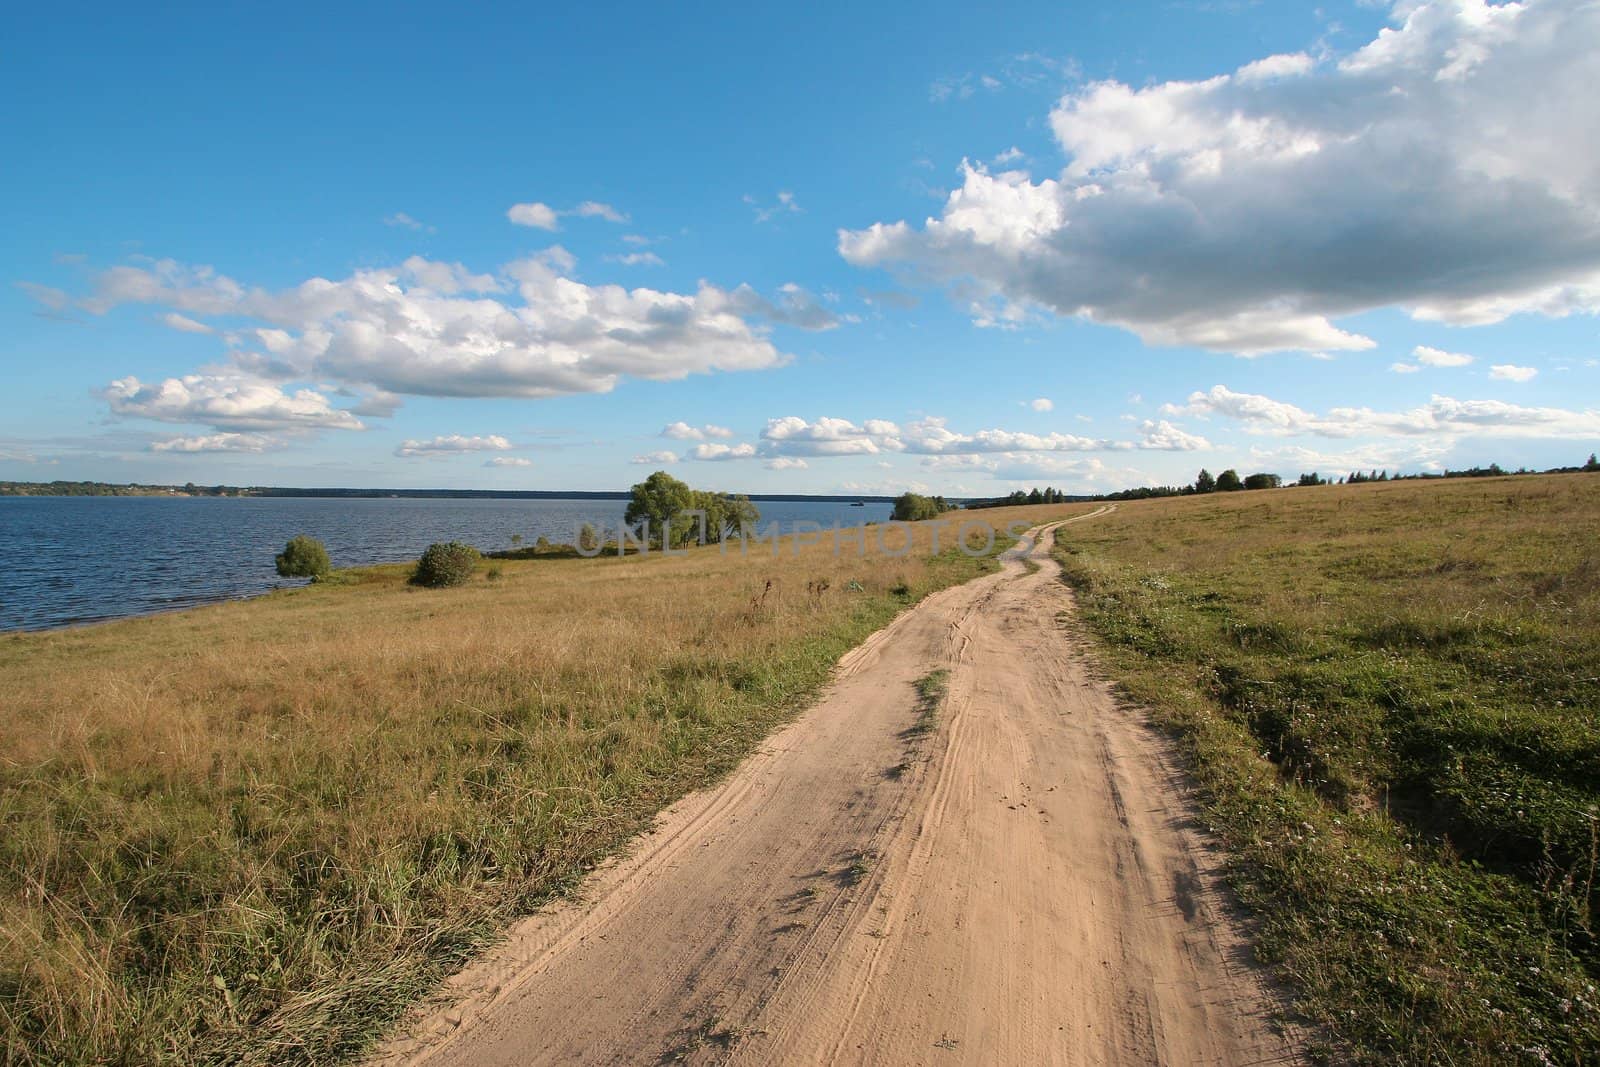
67, 560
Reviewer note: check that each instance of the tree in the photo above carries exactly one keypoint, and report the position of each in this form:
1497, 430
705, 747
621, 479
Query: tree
913, 507
1263, 481
658, 500
1228, 481
303, 557
1036, 497
588, 540
1205, 483
1593, 464
725, 515
1312, 479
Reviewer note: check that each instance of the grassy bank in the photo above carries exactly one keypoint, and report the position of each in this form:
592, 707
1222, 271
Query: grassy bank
253, 832
1390, 695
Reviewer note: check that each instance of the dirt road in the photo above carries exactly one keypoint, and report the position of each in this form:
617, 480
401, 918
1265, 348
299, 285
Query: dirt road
1016, 883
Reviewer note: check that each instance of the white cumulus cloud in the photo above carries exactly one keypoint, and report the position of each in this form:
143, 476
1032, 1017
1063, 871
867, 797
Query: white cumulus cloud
1436, 357
426, 328
538, 215
721, 452
1441, 418
217, 442
1249, 211
1510, 372
454, 444
229, 403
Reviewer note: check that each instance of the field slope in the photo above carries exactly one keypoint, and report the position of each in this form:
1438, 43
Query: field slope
254, 832
1390, 695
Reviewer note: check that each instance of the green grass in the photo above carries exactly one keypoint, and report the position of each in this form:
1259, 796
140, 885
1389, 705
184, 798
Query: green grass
1390, 698
255, 832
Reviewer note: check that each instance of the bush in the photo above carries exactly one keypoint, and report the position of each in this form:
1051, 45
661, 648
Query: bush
303, 557
445, 563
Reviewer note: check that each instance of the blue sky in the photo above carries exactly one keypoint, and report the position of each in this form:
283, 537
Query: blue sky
829, 248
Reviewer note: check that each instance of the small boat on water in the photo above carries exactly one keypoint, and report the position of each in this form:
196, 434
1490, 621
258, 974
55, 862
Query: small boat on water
859, 504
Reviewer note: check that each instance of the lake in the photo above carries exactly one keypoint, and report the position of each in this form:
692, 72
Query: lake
66, 560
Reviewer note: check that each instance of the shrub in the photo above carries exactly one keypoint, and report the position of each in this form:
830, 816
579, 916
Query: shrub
588, 539
445, 563
303, 557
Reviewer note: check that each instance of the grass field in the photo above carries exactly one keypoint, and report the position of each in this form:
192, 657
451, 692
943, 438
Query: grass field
254, 832
1390, 695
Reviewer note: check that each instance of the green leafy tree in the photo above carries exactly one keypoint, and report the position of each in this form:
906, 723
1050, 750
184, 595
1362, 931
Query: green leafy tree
914, 507
658, 500
1262, 481
1593, 464
1205, 483
303, 557
1228, 481
725, 515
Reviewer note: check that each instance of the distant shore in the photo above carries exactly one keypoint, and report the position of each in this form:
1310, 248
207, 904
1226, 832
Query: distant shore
192, 490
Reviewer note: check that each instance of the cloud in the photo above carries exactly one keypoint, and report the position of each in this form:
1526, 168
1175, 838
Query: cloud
891, 298
682, 431
1442, 417
722, 452
402, 220
48, 296
656, 458
454, 444
184, 324
542, 216
1161, 435
1042, 404
1404, 368
1434, 357
786, 463
932, 436
785, 204
538, 215
227, 402
1510, 372
426, 328
508, 461
795, 306
218, 442
638, 259
593, 209
1010, 155
1246, 212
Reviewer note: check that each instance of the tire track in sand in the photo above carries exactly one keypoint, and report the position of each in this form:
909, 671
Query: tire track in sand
1027, 888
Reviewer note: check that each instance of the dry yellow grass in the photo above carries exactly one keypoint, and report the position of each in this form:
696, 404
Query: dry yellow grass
252, 832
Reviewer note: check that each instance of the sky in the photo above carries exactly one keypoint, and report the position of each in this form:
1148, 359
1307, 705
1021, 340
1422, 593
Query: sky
832, 248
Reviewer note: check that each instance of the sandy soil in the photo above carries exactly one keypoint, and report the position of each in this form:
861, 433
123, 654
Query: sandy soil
1020, 885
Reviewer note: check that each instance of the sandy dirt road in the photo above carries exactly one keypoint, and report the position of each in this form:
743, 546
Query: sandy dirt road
1020, 884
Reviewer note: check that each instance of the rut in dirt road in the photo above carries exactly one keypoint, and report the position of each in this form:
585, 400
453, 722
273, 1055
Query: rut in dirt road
1008, 878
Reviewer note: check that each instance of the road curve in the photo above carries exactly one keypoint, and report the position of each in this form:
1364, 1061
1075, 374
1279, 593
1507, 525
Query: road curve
1019, 884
